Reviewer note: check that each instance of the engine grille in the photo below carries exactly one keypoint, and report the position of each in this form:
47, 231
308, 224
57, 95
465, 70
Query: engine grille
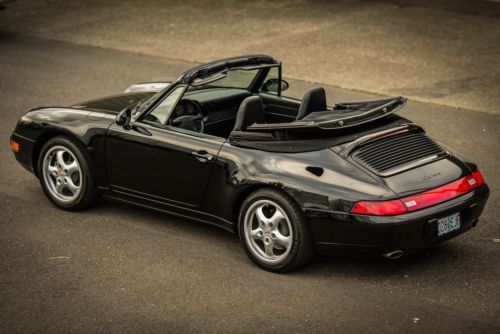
386, 154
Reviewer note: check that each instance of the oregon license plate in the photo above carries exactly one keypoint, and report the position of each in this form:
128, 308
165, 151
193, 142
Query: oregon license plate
448, 224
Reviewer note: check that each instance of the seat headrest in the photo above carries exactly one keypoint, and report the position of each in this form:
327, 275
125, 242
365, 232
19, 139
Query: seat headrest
251, 111
314, 100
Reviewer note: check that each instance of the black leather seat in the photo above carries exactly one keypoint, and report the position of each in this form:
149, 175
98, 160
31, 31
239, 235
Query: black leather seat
251, 111
314, 100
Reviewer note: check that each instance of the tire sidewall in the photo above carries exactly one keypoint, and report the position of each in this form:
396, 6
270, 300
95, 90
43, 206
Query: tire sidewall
81, 200
295, 216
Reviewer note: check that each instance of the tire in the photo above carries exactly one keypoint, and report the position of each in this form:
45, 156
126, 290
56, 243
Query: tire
274, 231
65, 174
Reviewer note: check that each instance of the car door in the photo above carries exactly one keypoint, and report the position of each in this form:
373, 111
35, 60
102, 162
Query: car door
160, 163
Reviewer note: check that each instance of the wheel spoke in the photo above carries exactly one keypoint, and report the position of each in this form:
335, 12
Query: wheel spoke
52, 170
282, 239
60, 187
276, 218
71, 185
60, 158
269, 249
71, 168
255, 233
260, 215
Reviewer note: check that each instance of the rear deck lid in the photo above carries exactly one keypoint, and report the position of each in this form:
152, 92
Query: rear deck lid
406, 159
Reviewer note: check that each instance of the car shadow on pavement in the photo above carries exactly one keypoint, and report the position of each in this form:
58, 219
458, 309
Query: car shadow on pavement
440, 258
443, 255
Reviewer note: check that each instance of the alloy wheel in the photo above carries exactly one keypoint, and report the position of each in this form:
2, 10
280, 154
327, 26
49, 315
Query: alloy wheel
62, 174
268, 231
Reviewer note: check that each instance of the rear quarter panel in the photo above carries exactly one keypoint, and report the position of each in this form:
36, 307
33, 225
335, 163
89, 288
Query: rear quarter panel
316, 180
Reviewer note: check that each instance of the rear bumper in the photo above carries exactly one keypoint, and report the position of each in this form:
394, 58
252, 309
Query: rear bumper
357, 235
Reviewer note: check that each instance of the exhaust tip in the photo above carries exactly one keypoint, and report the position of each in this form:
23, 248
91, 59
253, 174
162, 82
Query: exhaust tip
394, 254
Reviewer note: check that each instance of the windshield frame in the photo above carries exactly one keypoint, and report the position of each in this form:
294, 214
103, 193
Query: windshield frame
217, 76
145, 107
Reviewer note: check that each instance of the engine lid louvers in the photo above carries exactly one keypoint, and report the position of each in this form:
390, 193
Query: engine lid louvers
392, 154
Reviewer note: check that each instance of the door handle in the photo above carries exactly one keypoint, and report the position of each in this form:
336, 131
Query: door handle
203, 156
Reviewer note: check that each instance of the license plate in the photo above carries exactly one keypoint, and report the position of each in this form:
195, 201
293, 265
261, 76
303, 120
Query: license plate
448, 224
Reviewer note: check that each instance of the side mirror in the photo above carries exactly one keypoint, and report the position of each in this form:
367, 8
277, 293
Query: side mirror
124, 118
271, 85
284, 85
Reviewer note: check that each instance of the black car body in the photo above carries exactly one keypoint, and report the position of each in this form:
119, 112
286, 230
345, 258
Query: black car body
334, 162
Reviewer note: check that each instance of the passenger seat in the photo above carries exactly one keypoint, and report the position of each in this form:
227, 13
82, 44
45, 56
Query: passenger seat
314, 100
251, 111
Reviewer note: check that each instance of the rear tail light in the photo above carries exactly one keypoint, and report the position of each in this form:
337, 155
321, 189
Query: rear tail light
422, 200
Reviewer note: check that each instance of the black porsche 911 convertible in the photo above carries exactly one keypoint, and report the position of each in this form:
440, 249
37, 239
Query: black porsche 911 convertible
222, 145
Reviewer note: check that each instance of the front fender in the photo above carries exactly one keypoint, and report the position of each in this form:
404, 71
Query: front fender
39, 125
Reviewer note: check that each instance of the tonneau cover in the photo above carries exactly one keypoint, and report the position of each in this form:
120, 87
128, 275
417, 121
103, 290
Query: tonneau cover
307, 142
344, 123
343, 115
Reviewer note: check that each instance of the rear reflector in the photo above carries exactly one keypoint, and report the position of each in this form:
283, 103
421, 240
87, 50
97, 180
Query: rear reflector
14, 146
422, 200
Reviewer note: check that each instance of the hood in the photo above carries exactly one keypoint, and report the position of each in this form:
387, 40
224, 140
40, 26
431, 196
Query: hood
115, 103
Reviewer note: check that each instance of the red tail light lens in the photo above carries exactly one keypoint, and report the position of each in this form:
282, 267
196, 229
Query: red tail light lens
422, 200
386, 208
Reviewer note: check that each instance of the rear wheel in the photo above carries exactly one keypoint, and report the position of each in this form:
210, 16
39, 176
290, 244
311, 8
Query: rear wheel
274, 231
65, 174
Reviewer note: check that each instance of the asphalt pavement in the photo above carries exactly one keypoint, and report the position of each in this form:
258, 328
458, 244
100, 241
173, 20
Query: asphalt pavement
115, 268
440, 51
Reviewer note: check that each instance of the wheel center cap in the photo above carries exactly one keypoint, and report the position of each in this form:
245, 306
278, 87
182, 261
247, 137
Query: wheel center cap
62, 173
266, 231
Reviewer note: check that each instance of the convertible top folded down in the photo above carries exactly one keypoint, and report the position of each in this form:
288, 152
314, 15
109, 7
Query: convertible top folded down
319, 130
343, 115
295, 141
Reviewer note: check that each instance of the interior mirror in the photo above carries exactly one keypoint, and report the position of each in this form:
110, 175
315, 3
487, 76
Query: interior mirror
272, 85
124, 118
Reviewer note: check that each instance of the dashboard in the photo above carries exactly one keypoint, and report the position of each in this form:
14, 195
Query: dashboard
185, 108
216, 106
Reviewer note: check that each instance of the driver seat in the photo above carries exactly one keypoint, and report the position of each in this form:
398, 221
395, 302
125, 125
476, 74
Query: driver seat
314, 100
251, 111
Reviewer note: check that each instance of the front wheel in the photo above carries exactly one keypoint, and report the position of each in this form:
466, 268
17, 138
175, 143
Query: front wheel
65, 174
274, 231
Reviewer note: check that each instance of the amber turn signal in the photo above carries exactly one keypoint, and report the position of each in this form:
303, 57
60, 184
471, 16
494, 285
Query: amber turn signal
14, 145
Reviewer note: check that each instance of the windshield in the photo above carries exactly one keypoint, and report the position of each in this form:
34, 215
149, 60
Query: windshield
240, 78
235, 79
146, 102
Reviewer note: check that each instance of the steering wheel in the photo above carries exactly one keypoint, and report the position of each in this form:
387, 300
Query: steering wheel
199, 123
191, 122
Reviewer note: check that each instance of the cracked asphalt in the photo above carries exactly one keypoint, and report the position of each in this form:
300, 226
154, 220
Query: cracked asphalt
115, 268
